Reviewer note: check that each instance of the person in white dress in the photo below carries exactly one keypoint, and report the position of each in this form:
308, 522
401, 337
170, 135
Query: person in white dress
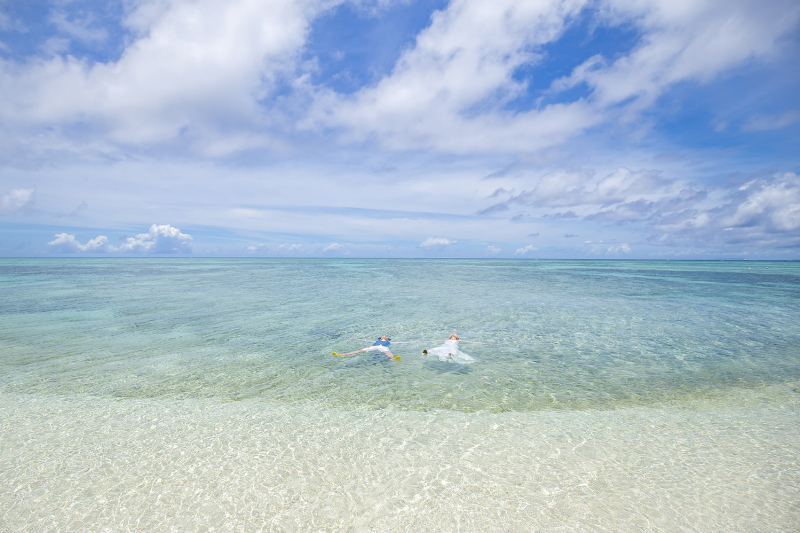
449, 352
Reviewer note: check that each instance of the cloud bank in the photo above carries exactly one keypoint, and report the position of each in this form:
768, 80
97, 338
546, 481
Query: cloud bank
161, 239
669, 126
224, 77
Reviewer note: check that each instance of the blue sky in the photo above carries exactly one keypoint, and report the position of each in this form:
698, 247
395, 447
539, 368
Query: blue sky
642, 129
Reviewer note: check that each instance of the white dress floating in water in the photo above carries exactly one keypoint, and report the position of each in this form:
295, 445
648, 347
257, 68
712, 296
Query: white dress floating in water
449, 353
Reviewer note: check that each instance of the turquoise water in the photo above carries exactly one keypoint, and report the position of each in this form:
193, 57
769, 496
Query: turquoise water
567, 335
92, 350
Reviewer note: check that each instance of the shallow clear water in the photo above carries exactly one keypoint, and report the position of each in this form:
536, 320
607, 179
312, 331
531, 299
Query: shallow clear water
191, 393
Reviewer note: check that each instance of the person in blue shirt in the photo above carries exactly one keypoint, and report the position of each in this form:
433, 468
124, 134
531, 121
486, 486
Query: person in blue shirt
382, 345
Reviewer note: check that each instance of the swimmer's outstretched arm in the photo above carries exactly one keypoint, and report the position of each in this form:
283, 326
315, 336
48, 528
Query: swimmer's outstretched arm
350, 353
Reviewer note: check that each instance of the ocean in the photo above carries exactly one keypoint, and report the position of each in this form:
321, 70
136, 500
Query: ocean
194, 394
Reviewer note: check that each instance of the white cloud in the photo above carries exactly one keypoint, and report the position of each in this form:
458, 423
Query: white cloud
774, 204
161, 239
526, 250
67, 243
682, 41
205, 74
220, 77
463, 62
437, 242
606, 249
449, 91
493, 249
570, 189
194, 71
760, 212
16, 200
624, 248
332, 247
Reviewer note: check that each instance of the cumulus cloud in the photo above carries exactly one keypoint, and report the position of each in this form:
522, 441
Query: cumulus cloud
16, 200
451, 90
221, 77
493, 249
621, 248
773, 204
650, 211
606, 249
436, 242
526, 250
333, 247
569, 189
67, 243
191, 71
161, 239
682, 41
760, 212
466, 59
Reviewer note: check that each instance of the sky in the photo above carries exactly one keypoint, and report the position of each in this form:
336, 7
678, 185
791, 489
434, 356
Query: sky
528, 129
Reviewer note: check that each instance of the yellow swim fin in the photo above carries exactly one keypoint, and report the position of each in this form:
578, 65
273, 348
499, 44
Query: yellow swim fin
340, 355
396, 358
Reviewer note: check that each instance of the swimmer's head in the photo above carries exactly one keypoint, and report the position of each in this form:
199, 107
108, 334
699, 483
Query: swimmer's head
453, 337
385, 338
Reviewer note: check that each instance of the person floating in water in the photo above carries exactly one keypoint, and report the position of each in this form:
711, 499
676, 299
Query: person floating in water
449, 352
382, 345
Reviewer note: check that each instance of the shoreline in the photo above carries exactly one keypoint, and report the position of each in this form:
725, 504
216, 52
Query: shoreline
77, 463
